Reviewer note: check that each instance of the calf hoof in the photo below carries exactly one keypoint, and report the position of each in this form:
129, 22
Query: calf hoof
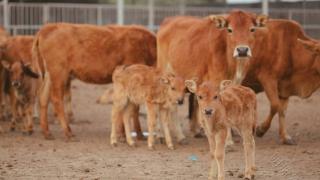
122, 139
12, 128
171, 147
198, 135
289, 141
133, 144
151, 148
114, 144
183, 141
72, 139
49, 137
28, 132
260, 132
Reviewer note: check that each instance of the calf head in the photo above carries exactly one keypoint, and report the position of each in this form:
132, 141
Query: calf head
208, 96
240, 27
18, 71
175, 88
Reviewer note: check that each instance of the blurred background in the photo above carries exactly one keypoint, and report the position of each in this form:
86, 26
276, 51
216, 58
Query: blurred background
27, 16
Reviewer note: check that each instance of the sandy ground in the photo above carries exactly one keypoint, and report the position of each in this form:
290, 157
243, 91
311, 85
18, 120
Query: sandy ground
32, 157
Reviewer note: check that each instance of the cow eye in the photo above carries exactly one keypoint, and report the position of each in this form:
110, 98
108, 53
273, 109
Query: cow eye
173, 88
215, 97
252, 29
229, 30
200, 97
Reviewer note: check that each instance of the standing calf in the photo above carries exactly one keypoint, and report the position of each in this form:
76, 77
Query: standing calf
23, 82
222, 108
140, 84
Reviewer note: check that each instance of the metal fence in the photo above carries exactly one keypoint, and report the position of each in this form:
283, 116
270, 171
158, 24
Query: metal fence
27, 18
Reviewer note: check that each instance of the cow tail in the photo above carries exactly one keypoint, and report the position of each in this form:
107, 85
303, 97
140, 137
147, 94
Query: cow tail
37, 60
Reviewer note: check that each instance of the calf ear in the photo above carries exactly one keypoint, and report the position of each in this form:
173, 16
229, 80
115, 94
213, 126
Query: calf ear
164, 80
219, 21
6, 65
261, 20
27, 71
224, 84
191, 85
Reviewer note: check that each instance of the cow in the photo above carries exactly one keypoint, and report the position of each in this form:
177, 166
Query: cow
140, 84
24, 85
3, 40
213, 48
221, 108
311, 45
282, 67
90, 53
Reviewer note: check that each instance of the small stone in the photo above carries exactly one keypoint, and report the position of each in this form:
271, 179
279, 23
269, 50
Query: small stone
86, 170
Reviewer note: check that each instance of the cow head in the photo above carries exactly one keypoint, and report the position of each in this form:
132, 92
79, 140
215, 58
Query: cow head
18, 70
240, 28
208, 96
175, 88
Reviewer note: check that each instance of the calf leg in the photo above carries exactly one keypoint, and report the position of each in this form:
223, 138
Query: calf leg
14, 110
126, 119
116, 119
151, 116
29, 119
67, 101
164, 118
249, 153
136, 122
219, 153
229, 138
177, 126
193, 115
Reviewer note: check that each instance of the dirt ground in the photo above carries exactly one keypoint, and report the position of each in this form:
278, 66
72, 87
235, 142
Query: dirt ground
32, 157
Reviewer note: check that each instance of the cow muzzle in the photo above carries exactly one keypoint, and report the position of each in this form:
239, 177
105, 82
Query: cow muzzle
180, 101
242, 51
208, 112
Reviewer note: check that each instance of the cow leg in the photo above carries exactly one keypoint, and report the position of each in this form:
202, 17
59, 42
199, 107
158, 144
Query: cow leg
173, 116
151, 116
57, 97
136, 122
29, 119
1, 93
67, 101
285, 137
271, 89
164, 118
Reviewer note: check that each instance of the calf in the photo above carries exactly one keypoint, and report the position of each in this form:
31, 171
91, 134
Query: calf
222, 108
140, 84
23, 81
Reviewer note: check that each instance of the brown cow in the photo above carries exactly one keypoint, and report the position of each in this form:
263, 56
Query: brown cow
140, 84
3, 40
311, 45
282, 67
212, 49
24, 88
87, 52
222, 108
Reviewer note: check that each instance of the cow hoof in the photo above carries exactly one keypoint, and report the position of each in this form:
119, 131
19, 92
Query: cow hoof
183, 141
260, 132
151, 148
72, 139
171, 147
289, 142
114, 144
133, 144
49, 137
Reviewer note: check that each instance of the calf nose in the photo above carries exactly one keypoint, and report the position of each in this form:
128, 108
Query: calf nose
16, 84
243, 51
208, 111
180, 101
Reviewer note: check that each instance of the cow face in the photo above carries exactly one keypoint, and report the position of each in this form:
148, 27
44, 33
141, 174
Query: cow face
176, 88
18, 71
240, 28
208, 97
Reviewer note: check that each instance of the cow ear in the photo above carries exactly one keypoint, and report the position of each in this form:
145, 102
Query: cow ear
219, 21
191, 85
6, 65
224, 84
27, 71
261, 20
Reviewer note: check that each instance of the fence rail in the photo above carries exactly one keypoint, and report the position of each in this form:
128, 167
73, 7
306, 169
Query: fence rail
27, 18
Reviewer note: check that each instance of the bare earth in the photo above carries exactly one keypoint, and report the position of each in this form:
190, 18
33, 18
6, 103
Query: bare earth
32, 157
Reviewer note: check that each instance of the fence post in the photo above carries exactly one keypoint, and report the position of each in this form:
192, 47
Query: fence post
99, 15
45, 15
120, 12
182, 7
6, 15
265, 7
151, 14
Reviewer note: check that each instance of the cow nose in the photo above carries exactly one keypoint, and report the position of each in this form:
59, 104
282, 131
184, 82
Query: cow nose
16, 84
242, 51
180, 101
208, 111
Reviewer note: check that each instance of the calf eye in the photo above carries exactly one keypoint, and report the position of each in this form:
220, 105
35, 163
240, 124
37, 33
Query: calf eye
229, 30
173, 88
252, 29
215, 97
200, 97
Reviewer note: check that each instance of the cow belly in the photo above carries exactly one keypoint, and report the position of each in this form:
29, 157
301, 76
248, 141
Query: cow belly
93, 77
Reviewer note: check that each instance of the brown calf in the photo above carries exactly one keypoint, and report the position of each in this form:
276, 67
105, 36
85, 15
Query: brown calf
90, 53
140, 84
24, 85
222, 108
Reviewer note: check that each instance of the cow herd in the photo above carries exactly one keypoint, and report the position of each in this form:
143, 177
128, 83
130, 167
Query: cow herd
222, 60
